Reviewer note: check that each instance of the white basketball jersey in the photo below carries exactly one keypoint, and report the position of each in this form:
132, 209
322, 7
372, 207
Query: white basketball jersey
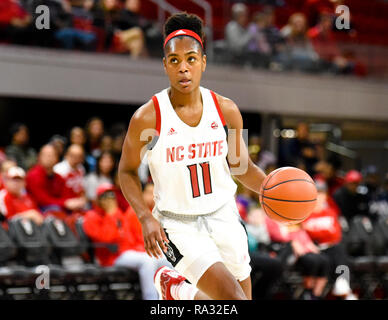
188, 164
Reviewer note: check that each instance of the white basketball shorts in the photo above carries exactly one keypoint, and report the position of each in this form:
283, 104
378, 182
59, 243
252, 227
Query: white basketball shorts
197, 242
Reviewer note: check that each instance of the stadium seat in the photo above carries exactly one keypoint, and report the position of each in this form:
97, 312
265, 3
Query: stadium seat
7, 247
65, 245
12, 274
365, 262
33, 247
112, 274
359, 240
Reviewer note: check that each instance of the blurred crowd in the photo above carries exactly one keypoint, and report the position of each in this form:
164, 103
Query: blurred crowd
75, 175
307, 43
90, 25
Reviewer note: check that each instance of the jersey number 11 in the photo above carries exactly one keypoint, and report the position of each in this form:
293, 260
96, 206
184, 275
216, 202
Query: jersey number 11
207, 184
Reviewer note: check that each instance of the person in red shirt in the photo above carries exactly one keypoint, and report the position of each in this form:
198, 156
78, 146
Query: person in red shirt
72, 171
4, 166
324, 228
326, 46
14, 201
48, 188
108, 224
323, 225
313, 265
327, 171
15, 22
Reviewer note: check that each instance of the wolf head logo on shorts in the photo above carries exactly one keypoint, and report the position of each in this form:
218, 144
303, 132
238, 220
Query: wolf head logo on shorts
170, 253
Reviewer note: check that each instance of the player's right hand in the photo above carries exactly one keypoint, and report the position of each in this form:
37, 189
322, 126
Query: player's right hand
154, 237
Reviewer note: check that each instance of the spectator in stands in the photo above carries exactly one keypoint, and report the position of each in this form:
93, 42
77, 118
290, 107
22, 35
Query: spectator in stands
259, 155
48, 188
104, 174
107, 223
83, 15
313, 265
371, 183
267, 269
328, 170
15, 22
94, 133
258, 46
325, 44
65, 32
383, 194
130, 28
59, 142
314, 8
379, 207
77, 136
272, 33
71, 169
348, 199
14, 200
18, 150
300, 149
109, 16
118, 134
106, 143
323, 227
236, 34
4, 166
130, 17
300, 53
62, 31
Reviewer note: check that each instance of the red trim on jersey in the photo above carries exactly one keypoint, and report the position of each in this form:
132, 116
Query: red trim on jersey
218, 107
157, 111
183, 32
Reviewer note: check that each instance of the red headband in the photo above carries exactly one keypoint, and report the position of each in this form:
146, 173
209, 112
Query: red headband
183, 32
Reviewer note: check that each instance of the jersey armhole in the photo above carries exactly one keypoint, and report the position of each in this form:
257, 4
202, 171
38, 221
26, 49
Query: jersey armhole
155, 139
219, 112
157, 112
218, 107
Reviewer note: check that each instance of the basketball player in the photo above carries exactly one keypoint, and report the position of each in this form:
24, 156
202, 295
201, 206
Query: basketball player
195, 220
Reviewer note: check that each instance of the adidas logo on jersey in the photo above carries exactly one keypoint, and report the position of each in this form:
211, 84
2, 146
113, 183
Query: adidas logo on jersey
172, 131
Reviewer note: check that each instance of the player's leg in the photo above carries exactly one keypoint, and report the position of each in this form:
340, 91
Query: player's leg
246, 285
233, 250
219, 284
171, 285
216, 283
194, 252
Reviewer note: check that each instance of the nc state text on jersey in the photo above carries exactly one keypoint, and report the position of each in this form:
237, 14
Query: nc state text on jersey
195, 151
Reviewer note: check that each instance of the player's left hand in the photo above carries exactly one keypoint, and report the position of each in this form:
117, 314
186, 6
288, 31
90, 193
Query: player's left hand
154, 237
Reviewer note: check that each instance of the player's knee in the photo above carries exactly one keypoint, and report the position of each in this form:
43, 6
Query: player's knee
234, 292
238, 296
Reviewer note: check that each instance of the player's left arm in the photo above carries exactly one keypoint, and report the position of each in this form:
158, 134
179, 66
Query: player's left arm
248, 173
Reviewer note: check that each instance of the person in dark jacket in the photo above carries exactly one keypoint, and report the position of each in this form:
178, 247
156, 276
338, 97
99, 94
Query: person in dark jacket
18, 150
348, 199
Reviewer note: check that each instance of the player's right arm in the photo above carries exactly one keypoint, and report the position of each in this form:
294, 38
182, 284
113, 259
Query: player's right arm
143, 119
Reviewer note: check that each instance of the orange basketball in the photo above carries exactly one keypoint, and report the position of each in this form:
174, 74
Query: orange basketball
288, 195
